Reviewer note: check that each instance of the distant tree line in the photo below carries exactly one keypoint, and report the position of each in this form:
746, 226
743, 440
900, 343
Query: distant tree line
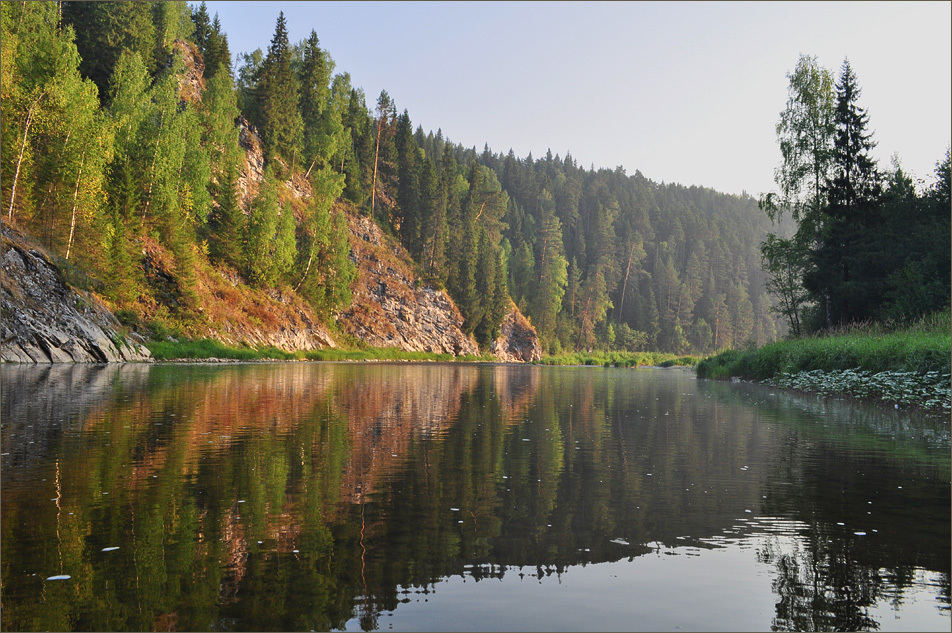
868, 245
103, 152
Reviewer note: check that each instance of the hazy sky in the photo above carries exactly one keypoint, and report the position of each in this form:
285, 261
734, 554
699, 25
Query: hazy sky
684, 92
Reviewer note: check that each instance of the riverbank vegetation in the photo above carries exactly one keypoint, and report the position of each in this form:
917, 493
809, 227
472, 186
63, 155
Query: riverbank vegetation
173, 349
864, 281
869, 244
905, 365
620, 359
208, 349
921, 347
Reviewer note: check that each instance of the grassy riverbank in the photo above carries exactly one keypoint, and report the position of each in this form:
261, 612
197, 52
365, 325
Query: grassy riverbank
922, 347
204, 349
908, 366
619, 359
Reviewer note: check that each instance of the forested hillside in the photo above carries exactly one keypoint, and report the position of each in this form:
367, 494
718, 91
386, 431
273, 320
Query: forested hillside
120, 146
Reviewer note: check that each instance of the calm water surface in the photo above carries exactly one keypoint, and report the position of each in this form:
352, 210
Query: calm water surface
470, 497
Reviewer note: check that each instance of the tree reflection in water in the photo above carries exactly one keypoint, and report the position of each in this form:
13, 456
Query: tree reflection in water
302, 496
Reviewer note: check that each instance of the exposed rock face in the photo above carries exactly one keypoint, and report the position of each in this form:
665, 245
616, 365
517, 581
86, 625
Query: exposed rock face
191, 83
46, 321
518, 341
252, 168
294, 327
391, 308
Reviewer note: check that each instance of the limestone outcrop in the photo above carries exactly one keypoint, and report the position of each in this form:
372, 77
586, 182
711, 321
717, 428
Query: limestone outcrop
47, 321
391, 306
518, 341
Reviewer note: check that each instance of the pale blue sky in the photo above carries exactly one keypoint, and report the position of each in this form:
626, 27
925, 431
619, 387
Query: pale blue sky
684, 92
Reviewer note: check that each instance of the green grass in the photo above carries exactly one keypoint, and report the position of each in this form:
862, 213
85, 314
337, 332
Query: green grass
184, 349
618, 359
922, 347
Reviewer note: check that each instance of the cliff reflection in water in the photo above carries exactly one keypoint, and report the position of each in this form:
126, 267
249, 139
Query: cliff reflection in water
301, 496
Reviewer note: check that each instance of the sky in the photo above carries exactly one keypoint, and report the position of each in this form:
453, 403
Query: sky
685, 92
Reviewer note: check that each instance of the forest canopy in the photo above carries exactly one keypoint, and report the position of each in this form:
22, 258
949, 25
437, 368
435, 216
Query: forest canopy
123, 127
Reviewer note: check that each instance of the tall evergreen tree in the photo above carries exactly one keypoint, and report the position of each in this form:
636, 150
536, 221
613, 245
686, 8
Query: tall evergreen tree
851, 214
279, 120
104, 30
433, 227
323, 130
216, 52
408, 185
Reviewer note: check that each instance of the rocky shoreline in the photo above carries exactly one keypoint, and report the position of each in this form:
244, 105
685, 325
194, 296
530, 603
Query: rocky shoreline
45, 320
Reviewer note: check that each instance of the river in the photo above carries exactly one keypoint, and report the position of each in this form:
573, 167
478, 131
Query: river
379, 496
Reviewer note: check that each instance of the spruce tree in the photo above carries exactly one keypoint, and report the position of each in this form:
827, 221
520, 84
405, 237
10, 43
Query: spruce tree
408, 186
216, 53
279, 120
322, 127
852, 214
104, 30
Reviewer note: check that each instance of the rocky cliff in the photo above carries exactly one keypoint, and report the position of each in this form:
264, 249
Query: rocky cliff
44, 320
391, 307
518, 341
47, 321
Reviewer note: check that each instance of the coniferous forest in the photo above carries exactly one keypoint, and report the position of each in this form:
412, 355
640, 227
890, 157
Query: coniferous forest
112, 142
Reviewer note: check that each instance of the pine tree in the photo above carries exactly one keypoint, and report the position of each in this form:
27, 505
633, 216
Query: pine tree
433, 228
216, 52
408, 186
552, 270
852, 212
279, 119
383, 157
104, 30
464, 256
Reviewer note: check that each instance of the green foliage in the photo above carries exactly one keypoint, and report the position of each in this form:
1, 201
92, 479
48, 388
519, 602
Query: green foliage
619, 359
105, 30
866, 244
323, 130
270, 246
921, 348
652, 266
278, 117
324, 252
212, 43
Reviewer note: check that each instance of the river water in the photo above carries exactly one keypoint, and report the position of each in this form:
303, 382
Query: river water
462, 497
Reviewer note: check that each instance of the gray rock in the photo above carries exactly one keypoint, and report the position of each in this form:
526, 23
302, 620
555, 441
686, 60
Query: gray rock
518, 341
47, 321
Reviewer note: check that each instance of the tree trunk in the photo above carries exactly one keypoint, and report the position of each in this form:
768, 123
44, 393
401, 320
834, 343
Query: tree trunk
72, 220
155, 156
717, 324
26, 132
624, 286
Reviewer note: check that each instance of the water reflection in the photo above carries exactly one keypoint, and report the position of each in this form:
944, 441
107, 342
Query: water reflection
330, 496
